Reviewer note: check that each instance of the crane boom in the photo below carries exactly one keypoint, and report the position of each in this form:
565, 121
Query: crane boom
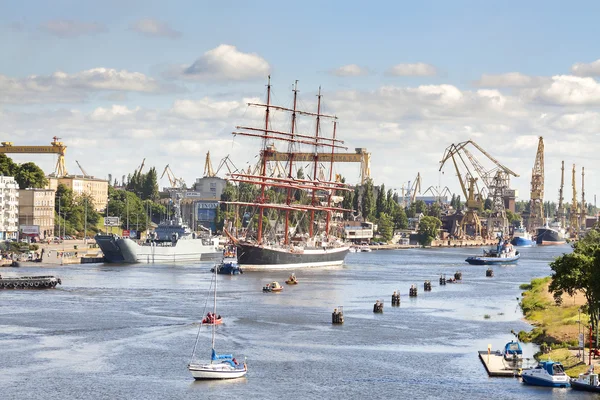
55, 147
81, 168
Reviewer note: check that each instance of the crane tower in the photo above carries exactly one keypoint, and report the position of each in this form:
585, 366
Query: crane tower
536, 202
560, 212
574, 218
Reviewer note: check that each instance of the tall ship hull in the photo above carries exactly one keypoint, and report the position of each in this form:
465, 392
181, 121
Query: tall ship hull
252, 257
549, 236
124, 250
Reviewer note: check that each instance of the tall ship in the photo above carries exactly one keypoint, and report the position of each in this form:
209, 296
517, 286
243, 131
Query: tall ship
291, 222
171, 242
521, 237
551, 233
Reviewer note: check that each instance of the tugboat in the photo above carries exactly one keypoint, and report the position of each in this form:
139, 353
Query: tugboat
272, 287
588, 381
547, 373
504, 253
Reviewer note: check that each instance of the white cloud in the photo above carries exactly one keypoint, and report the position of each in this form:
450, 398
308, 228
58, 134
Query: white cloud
223, 63
586, 69
61, 87
350, 70
205, 108
566, 90
416, 69
69, 28
155, 28
110, 114
509, 79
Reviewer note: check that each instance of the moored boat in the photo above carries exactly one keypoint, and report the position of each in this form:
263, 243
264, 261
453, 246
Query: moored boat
587, 381
29, 282
547, 373
298, 227
550, 234
172, 241
522, 238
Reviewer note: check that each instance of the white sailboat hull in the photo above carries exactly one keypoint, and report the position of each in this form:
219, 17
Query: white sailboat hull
216, 371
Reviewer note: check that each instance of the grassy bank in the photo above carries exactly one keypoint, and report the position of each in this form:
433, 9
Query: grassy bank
555, 325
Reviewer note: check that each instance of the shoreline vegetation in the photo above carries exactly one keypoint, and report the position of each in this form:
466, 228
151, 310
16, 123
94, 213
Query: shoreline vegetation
555, 327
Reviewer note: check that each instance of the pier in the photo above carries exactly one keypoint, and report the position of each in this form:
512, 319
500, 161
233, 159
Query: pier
495, 365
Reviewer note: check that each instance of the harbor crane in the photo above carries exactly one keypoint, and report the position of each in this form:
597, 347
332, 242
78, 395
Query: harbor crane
560, 211
227, 163
574, 217
436, 192
85, 175
360, 155
495, 179
176, 183
208, 169
583, 217
536, 202
411, 193
56, 147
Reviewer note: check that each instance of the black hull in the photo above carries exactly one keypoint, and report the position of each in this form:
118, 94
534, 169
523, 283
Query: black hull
549, 236
254, 257
585, 387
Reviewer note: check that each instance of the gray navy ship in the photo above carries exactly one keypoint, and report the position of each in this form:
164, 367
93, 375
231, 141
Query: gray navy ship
171, 242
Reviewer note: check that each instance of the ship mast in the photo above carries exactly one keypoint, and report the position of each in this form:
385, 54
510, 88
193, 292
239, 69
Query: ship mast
291, 163
263, 170
330, 178
316, 165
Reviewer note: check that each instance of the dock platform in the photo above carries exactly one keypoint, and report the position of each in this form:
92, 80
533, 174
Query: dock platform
496, 366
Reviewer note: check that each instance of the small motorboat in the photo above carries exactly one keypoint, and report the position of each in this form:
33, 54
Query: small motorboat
588, 381
504, 253
292, 280
547, 373
228, 267
272, 287
513, 354
365, 249
212, 319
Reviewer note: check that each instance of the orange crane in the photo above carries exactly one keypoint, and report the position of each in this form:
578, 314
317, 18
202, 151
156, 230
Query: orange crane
55, 147
176, 183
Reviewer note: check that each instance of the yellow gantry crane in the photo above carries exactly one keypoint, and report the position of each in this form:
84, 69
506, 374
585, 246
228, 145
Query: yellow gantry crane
55, 147
208, 169
361, 156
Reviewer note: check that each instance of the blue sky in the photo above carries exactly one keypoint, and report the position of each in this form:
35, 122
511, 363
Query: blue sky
406, 119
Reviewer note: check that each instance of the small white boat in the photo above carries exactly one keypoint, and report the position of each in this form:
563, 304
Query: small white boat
221, 366
365, 249
588, 381
547, 373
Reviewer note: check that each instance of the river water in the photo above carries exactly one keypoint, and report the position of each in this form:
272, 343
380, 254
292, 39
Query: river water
127, 332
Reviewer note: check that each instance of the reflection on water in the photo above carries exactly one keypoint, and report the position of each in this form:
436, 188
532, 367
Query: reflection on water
128, 331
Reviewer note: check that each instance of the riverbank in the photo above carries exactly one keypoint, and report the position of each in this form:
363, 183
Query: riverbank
554, 324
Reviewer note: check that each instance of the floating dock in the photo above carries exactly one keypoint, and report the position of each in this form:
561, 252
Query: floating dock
496, 366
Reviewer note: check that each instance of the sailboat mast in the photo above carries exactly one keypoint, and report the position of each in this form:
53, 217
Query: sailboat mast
263, 171
316, 165
214, 326
330, 180
289, 191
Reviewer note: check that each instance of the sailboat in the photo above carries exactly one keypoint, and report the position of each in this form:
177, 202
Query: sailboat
221, 366
286, 249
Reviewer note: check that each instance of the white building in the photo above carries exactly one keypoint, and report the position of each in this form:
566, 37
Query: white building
9, 208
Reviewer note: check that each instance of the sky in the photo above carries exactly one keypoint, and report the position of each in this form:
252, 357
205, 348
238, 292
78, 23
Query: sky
120, 81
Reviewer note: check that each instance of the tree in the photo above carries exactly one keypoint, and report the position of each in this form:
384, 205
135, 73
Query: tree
356, 199
7, 166
428, 229
390, 203
579, 271
381, 201
434, 210
386, 227
150, 185
368, 203
29, 175
400, 218
420, 207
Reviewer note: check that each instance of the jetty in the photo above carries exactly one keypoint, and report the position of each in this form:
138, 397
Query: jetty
496, 366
